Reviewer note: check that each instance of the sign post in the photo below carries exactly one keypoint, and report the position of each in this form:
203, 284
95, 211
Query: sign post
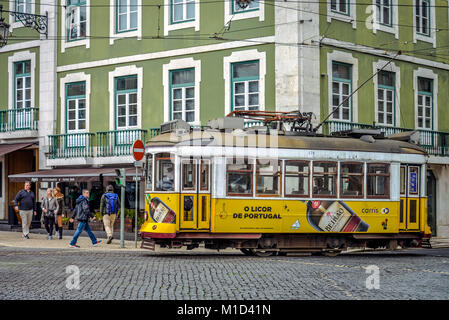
138, 154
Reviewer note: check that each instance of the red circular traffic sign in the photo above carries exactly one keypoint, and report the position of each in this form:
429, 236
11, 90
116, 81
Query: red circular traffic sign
138, 150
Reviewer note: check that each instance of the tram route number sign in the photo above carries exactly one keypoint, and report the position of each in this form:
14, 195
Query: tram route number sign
413, 182
138, 150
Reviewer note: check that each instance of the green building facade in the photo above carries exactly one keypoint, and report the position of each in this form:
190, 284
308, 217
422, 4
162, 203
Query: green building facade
112, 71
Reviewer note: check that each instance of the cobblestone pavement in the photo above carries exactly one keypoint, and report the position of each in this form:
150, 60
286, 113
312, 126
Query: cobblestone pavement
32, 273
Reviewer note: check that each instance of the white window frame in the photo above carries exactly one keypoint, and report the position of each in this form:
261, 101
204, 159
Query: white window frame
347, 58
17, 24
432, 26
392, 67
113, 34
168, 26
181, 64
245, 93
77, 101
394, 28
228, 15
122, 72
127, 107
18, 57
64, 25
241, 56
429, 74
73, 77
351, 18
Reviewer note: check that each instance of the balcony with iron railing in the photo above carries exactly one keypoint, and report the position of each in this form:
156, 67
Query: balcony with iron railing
21, 119
435, 142
119, 142
71, 145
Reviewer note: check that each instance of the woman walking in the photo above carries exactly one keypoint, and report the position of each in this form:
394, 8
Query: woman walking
60, 213
49, 208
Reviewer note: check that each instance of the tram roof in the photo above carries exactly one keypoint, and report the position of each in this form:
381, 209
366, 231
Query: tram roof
245, 139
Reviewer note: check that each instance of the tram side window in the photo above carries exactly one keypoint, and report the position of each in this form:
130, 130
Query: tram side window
351, 180
268, 178
239, 177
188, 175
325, 179
164, 173
296, 178
378, 180
149, 173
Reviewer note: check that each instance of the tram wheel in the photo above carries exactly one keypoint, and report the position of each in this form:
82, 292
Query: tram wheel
332, 253
260, 253
247, 252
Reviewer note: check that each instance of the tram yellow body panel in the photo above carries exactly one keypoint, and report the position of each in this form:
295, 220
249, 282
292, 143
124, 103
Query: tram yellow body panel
280, 216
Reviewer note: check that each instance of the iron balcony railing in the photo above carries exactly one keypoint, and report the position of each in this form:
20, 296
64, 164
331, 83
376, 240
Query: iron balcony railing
19, 119
118, 142
435, 142
71, 145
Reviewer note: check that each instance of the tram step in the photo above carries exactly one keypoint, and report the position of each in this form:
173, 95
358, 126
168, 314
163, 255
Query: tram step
148, 244
425, 243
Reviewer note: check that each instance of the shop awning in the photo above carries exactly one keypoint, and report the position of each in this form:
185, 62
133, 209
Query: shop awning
8, 148
71, 175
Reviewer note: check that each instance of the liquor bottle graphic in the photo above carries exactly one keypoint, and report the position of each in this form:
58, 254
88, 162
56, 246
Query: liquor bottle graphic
334, 216
160, 212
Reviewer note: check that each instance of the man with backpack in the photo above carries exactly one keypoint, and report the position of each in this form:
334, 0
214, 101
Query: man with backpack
109, 205
83, 214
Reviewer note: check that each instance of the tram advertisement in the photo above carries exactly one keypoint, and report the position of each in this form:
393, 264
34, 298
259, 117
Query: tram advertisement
305, 216
160, 212
334, 216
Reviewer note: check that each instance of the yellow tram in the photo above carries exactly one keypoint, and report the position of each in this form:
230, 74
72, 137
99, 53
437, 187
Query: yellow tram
266, 190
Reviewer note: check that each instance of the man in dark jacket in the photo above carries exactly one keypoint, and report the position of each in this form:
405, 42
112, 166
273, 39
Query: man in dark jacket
82, 214
25, 203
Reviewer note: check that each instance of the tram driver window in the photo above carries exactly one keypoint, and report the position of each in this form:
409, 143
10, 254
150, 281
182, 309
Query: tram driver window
268, 178
351, 180
378, 180
239, 176
164, 173
324, 179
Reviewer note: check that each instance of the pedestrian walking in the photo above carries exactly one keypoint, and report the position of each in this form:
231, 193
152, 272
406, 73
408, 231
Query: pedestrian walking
60, 213
82, 214
50, 207
25, 204
109, 205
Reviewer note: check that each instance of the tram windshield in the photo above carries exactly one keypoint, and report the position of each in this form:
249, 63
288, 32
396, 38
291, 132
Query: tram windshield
164, 173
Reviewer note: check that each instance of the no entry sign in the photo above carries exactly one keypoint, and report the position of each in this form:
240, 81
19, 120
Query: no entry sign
138, 150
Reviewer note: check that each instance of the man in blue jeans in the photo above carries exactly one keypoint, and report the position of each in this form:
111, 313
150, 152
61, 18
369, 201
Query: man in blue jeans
82, 213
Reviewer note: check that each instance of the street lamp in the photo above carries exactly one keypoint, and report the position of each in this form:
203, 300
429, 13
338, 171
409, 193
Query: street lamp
4, 32
36, 21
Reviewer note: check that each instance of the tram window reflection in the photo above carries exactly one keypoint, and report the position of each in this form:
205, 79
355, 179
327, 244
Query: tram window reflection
164, 174
325, 179
296, 178
268, 177
239, 177
378, 180
351, 180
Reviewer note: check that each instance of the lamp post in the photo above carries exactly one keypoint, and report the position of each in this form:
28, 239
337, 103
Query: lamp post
35, 21
4, 32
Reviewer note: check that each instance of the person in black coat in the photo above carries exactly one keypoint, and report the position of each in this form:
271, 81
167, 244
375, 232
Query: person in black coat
83, 214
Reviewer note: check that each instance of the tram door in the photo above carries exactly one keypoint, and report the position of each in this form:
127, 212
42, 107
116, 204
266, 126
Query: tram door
410, 198
195, 194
